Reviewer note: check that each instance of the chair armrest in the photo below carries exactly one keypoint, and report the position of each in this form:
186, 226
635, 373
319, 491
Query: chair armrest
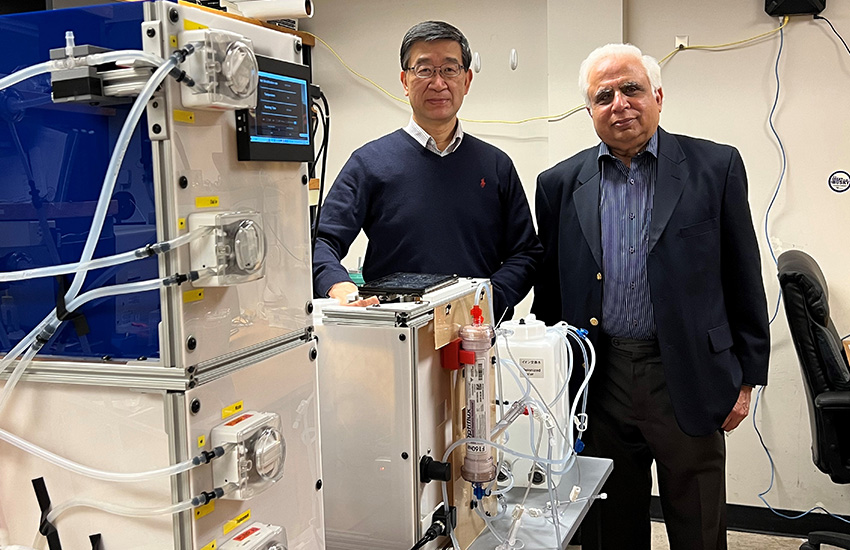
827, 537
832, 400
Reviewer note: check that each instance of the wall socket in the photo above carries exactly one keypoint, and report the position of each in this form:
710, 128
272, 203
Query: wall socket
681, 41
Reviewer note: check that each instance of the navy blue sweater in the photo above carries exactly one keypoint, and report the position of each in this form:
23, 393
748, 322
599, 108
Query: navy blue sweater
465, 213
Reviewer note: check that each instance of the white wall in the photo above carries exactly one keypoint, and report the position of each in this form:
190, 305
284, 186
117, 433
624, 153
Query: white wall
723, 96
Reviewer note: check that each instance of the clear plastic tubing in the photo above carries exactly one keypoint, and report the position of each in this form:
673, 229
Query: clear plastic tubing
111, 177
126, 56
478, 466
53, 322
69, 465
122, 510
119, 509
109, 180
107, 261
23, 74
103, 200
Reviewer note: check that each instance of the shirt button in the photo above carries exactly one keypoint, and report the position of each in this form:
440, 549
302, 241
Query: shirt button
631, 181
631, 215
635, 323
631, 250
594, 321
632, 285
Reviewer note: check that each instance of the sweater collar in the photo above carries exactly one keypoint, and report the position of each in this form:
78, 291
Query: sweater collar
425, 140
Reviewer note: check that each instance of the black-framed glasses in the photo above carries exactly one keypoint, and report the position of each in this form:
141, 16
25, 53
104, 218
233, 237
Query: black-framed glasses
446, 70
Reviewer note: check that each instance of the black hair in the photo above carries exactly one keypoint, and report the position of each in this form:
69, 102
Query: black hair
428, 31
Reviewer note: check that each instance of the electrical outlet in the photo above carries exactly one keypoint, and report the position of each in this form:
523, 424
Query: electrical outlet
681, 41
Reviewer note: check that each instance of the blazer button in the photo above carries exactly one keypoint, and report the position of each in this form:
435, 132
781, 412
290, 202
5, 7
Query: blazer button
599, 276
594, 321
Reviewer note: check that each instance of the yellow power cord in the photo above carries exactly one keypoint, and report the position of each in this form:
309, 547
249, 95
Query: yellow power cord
567, 113
728, 44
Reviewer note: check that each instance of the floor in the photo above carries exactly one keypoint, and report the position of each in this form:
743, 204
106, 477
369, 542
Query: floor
736, 540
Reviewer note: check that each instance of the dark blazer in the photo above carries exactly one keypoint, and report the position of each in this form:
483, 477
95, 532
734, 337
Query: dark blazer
703, 266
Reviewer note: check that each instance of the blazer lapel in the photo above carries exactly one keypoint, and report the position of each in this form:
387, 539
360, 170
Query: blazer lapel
669, 184
586, 203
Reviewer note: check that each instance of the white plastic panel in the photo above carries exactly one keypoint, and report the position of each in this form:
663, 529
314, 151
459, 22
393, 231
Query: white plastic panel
366, 379
284, 384
201, 147
114, 429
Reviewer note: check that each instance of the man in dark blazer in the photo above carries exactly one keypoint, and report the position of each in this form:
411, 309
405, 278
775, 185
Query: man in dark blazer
650, 245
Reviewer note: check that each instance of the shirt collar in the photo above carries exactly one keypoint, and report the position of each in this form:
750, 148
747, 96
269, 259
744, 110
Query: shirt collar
651, 148
426, 141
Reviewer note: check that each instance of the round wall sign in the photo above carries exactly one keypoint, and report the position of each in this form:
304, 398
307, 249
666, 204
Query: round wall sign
839, 181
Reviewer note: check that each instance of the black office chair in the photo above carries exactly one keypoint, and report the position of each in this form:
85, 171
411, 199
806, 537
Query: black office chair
826, 375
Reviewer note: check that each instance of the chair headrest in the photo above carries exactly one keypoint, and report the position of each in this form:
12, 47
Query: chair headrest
799, 268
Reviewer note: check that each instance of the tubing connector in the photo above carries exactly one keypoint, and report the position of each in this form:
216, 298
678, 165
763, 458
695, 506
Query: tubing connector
145, 252
69, 43
477, 315
44, 336
180, 278
180, 56
176, 279
207, 496
207, 456
515, 411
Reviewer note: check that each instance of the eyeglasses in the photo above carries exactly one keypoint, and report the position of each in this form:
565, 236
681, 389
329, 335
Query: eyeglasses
446, 70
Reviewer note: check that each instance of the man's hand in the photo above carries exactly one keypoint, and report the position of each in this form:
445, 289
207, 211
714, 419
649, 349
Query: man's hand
740, 410
340, 291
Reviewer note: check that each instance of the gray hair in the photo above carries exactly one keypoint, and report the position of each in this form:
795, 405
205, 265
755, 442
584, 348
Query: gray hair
653, 69
428, 31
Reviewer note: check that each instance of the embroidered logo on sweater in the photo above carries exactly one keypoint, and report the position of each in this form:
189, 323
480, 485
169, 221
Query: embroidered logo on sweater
483, 183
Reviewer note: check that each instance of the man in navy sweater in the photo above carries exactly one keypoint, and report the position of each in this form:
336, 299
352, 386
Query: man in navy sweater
430, 198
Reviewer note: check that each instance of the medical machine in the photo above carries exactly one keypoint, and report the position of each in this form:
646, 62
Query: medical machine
389, 411
159, 361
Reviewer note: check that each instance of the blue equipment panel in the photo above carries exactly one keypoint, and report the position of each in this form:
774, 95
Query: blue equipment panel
54, 157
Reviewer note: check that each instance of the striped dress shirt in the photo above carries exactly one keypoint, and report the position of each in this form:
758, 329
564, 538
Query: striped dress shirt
425, 140
625, 213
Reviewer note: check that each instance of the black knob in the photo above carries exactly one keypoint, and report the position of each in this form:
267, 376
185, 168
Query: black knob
536, 477
434, 469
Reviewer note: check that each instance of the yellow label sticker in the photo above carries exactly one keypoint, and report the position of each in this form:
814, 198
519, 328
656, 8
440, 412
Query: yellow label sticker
211, 546
187, 117
181, 223
172, 40
206, 202
202, 440
232, 409
205, 509
237, 521
192, 25
194, 295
